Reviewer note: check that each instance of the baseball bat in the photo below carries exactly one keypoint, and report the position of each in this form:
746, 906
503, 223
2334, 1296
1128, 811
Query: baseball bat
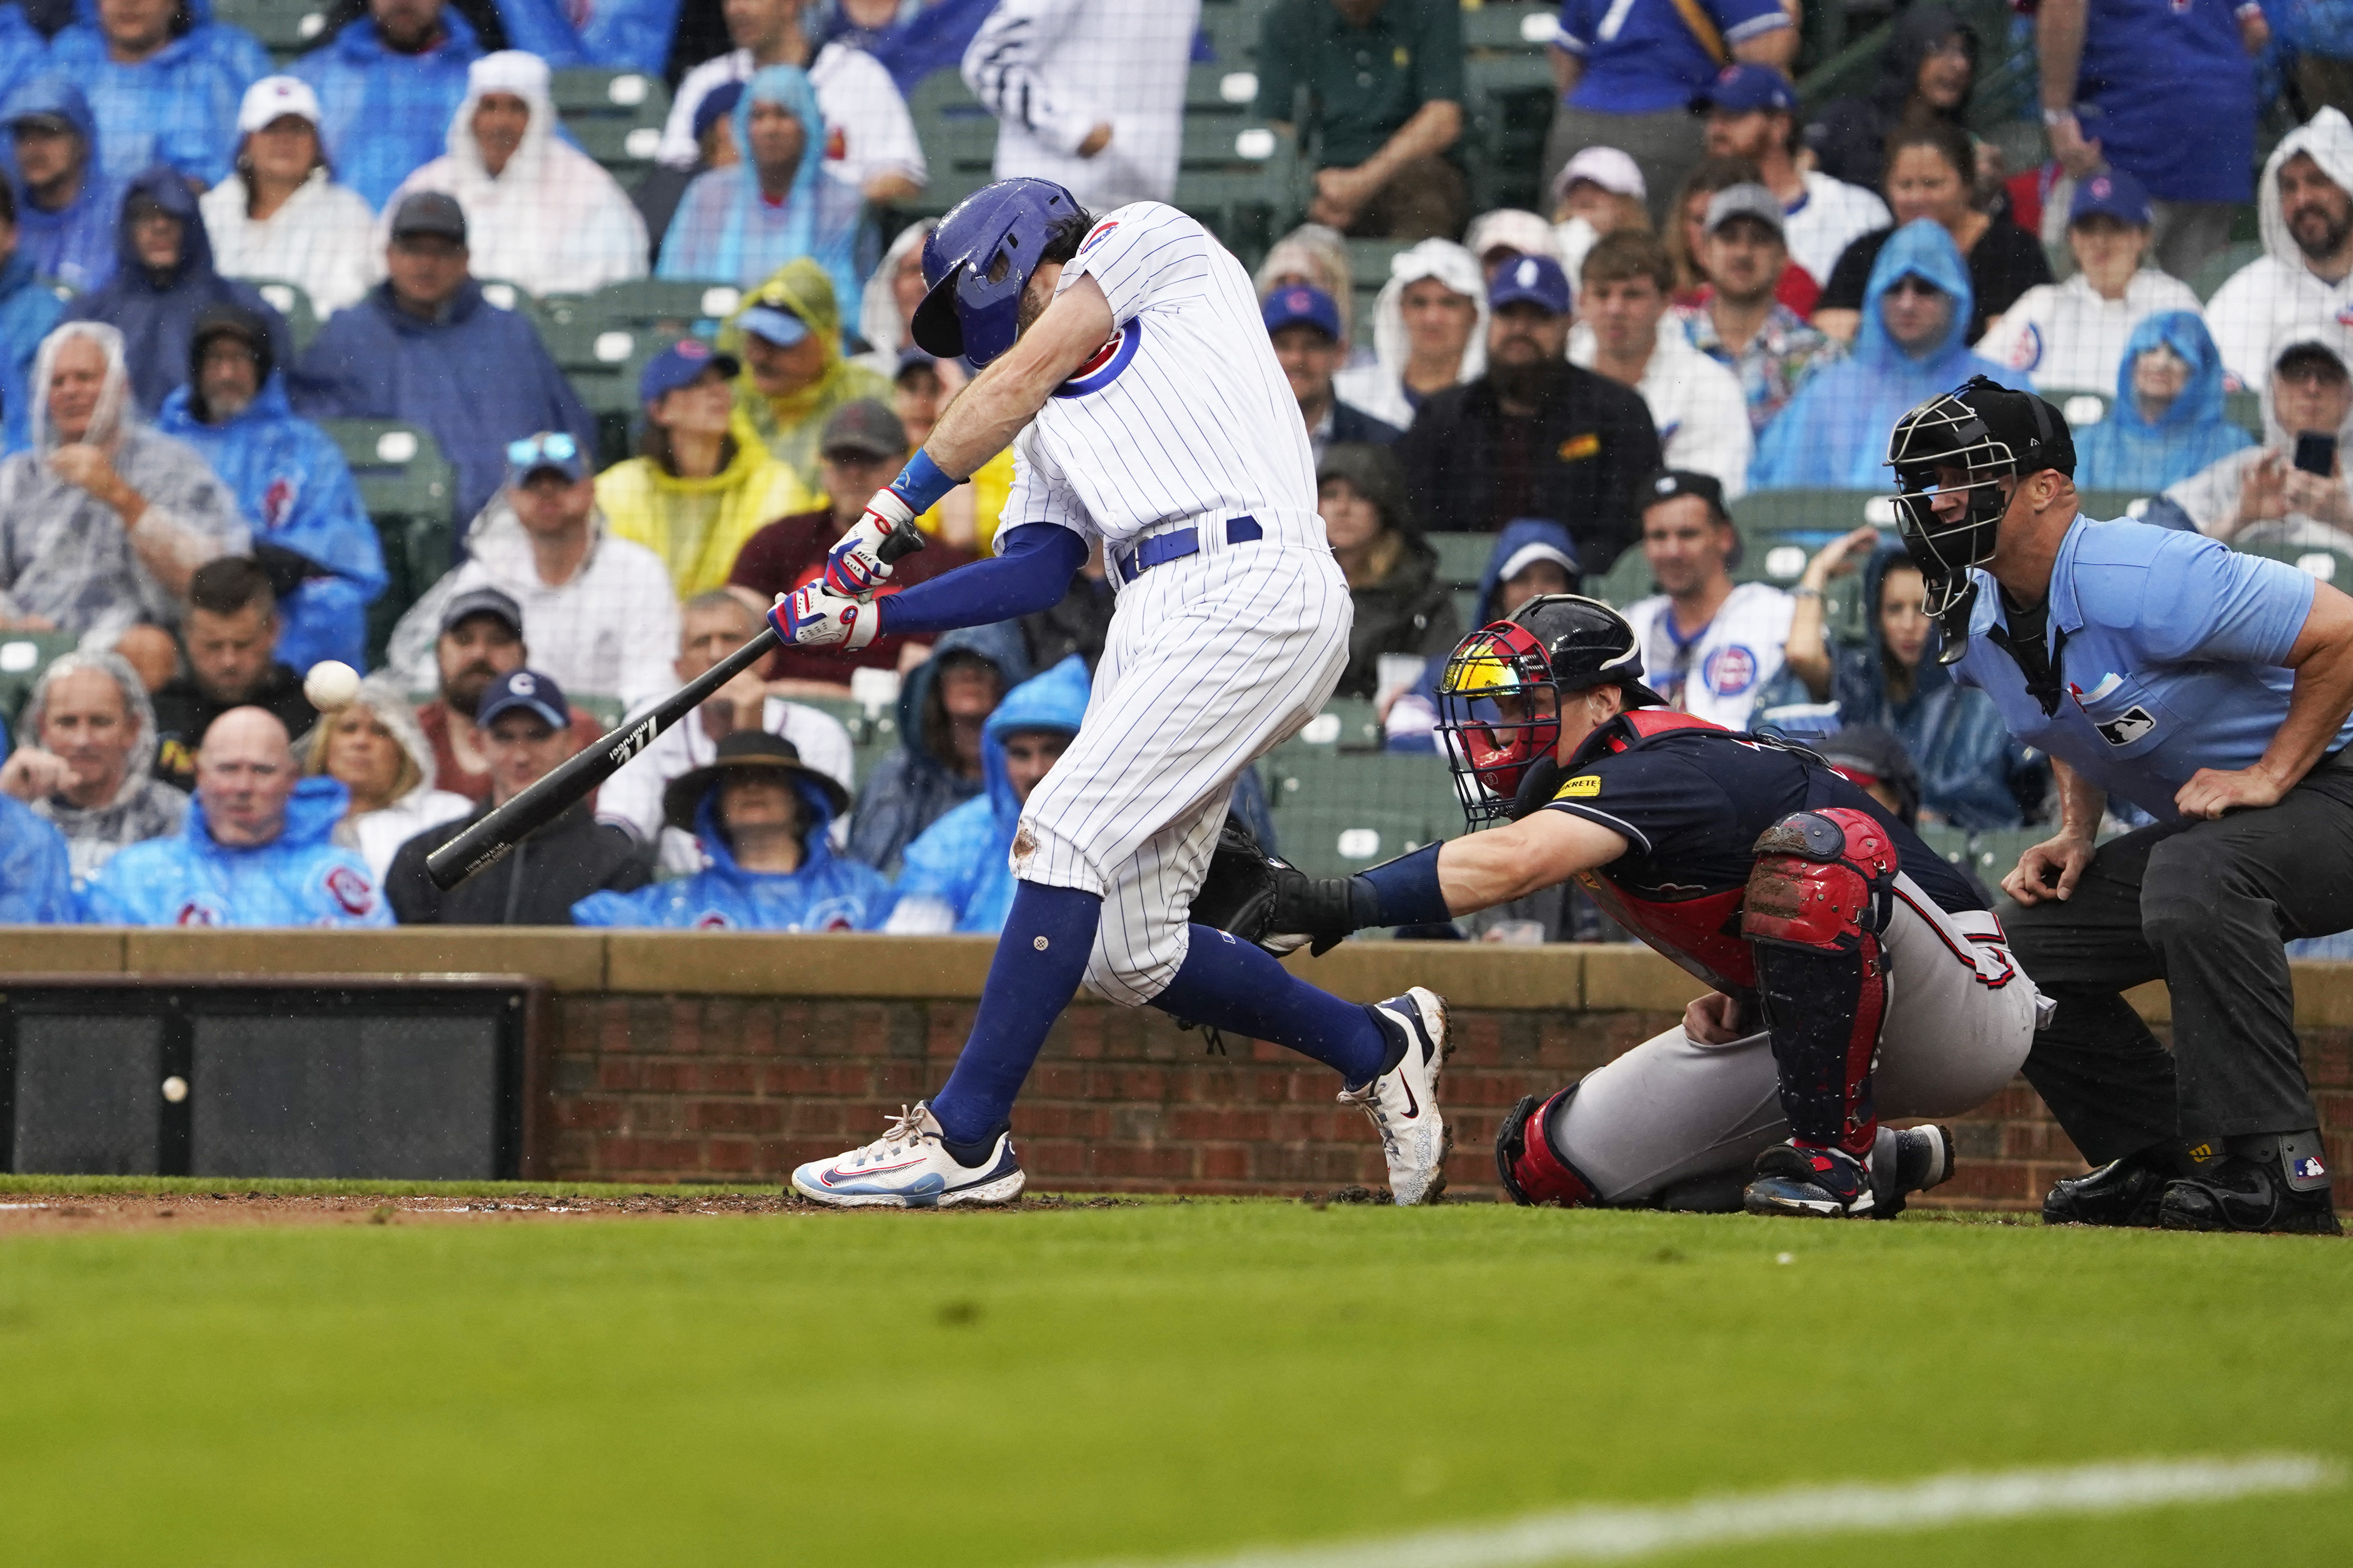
487, 842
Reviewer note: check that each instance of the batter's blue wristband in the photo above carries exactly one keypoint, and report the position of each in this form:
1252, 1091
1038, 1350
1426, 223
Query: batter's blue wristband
921, 484
1407, 890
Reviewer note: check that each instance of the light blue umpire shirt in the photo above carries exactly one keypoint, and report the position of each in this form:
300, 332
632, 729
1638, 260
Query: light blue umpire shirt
2171, 649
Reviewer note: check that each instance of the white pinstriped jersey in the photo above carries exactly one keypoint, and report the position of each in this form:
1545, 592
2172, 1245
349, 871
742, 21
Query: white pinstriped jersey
1185, 414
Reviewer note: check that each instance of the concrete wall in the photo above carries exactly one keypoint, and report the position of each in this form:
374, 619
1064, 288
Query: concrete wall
731, 1057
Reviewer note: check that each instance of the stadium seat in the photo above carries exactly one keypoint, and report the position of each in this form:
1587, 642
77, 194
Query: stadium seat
1509, 105
290, 300
2220, 267
1244, 181
1819, 515
2107, 504
1346, 721
616, 116
664, 306
1462, 557
1230, 29
1337, 814
2246, 410
958, 137
2332, 566
2082, 405
1627, 580
286, 27
22, 657
1510, 28
406, 486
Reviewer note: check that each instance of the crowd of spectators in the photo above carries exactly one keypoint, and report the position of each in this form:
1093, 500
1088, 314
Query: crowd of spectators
1723, 295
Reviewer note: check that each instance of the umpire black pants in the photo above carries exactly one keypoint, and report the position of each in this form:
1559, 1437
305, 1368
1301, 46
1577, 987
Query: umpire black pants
2205, 906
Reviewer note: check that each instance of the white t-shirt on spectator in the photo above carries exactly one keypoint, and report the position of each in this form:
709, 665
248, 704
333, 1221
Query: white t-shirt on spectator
610, 631
632, 798
1828, 217
1697, 405
323, 240
861, 103
2064, 335
1718, 673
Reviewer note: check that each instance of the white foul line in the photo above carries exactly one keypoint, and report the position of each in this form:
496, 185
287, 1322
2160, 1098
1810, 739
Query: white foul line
1607, 1534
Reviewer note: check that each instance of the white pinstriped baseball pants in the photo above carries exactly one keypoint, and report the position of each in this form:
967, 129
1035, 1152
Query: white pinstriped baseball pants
1211, 661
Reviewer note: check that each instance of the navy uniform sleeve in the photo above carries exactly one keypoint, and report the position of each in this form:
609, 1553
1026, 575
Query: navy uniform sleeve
1652, 799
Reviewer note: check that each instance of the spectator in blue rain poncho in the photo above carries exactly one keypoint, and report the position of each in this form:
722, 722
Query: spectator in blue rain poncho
163, 278
36, 881
1912, 345
27, 311
388, 83
959, 875
258, 847
739, 223
761, 817
2166, 422
164, 79
310, 530
943, 705
66, 209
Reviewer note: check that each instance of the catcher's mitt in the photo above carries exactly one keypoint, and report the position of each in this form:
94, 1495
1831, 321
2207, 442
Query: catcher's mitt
1264, 899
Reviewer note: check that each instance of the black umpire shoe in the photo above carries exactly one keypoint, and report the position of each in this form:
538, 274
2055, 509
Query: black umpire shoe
2235, 1193
2123, 1192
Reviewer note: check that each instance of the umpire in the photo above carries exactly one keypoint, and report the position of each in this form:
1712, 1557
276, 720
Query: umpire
2209, 688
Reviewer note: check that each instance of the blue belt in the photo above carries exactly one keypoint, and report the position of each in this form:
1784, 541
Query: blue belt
1178, 543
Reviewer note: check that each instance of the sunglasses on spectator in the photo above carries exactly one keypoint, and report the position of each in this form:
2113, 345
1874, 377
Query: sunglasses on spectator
1919, 286
558, 448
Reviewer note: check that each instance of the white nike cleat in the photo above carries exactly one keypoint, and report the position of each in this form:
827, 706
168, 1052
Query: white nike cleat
908, 1167
1403, 1101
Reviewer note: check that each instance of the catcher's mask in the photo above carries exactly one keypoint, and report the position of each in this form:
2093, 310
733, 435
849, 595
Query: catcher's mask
1499, 696
1955, 434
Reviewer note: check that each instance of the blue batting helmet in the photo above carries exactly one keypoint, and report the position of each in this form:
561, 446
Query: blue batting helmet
978, 260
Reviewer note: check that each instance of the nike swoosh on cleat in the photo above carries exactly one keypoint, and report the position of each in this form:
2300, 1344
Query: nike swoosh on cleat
838, 1174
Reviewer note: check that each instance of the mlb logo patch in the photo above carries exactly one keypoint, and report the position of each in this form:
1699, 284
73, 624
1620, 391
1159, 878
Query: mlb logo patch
2128, 727
2310, 1169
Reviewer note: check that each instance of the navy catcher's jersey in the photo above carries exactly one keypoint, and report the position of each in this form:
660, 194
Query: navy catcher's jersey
1691, 799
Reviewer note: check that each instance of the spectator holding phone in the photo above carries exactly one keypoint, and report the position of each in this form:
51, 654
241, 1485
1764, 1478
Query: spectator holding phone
2291, 490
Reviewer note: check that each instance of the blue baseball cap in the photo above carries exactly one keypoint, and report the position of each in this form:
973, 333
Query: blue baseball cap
1300, 304
778, 325
682, 364
718, 102
1744, 89
1533, 279
527, 691
547, 449
2114, 194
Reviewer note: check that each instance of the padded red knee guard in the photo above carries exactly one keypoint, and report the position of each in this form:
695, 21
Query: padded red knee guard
1823, 878
1532, 1173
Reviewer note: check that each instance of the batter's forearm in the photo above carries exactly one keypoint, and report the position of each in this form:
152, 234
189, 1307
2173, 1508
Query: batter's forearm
1002, 399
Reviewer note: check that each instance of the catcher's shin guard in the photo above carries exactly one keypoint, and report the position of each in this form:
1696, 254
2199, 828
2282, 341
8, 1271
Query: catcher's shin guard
1819, 896
1533, 1172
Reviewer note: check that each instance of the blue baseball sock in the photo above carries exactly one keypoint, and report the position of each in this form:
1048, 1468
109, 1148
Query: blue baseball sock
1234, 986
1040, 960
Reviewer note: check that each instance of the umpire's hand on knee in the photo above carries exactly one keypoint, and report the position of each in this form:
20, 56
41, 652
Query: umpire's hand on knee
2049, 869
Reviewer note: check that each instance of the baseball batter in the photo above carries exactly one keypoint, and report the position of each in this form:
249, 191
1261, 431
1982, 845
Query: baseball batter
1126, 361
1854, 972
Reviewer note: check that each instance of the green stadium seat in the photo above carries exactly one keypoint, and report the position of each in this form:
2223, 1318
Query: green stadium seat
1462, 557
1231, 28
2218, 268
1336, 814
1627, 580
286, 27
1220, 88
606, 710
1244, 181
2105, 504
407, 486
514, 296
22, 657
2246, 410
958, 137
2082, 405
290, 300
1510, 28
1818, 514
617, 116
1509, 103
625, 150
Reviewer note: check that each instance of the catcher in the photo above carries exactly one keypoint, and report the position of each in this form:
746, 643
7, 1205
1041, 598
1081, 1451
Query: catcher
1853, 973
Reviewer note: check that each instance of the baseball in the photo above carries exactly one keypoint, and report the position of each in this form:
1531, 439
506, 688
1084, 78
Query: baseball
175, 1089
332, 684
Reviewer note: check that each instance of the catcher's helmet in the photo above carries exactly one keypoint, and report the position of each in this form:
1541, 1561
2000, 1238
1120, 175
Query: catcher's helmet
1989, 432
978, 260
1499, 696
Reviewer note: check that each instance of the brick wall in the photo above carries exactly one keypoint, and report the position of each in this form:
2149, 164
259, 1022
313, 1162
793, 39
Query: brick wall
733, 1056
728, 1089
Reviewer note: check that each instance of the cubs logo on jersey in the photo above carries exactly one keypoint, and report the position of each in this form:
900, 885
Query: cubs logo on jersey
1729, 671
277, 500
351, 890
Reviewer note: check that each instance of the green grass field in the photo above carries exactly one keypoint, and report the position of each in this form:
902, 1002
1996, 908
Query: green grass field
1140, 1383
